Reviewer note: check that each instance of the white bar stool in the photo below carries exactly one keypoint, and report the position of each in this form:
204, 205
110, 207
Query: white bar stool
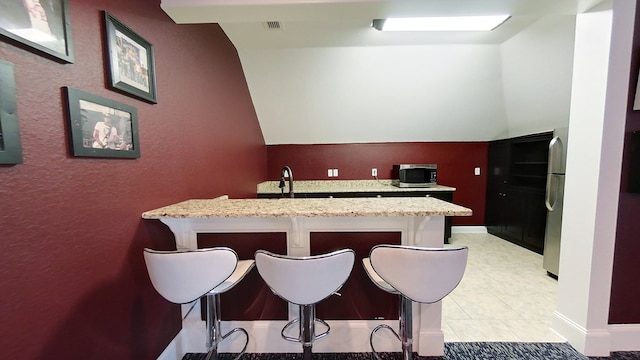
305, 281
184, 276
423, 275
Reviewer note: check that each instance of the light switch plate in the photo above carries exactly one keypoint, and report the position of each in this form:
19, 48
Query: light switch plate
476, 171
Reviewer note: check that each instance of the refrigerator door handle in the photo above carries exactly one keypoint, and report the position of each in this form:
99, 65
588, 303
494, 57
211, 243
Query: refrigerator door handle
556, 155
548, 194
555, 161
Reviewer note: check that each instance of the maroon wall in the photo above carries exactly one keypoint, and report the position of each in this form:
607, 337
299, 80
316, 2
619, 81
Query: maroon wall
456, 162
625, 307
72, 276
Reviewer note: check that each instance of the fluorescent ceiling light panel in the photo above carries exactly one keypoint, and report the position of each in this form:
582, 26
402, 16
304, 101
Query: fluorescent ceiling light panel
453, 23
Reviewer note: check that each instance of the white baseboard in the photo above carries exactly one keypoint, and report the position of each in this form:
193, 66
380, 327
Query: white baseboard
468, 229
593, 342
597, 342
625, 337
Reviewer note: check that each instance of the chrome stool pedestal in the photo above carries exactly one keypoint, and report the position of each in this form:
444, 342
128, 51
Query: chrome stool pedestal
305, 281
423, 275
214, 333
306, 329
182, 277
405, 335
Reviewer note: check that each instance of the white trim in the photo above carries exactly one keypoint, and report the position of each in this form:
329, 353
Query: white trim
625, 337
596, 132
468, 229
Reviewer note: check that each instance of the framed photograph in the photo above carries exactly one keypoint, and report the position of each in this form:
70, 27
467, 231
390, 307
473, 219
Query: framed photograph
10, 147
101, 127
131, 64
41, 25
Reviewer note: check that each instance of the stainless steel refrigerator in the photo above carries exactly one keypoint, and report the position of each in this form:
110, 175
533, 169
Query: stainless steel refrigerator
554, 200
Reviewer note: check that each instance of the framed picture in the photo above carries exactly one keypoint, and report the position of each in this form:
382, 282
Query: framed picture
41, 25
101, 127
131, 64
10, 147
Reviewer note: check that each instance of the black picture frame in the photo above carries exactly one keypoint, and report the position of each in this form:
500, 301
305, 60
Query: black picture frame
44, 27
131, 61
10, 145
101, 127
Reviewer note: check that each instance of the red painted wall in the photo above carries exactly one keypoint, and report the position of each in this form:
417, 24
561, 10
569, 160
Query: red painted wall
624, 305
72, 276
456, 162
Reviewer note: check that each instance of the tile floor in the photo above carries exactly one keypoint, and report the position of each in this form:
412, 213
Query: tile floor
505, 294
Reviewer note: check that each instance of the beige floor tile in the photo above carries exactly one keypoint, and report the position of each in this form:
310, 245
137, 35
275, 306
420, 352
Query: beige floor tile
451, 310
505, 294
485, 306
449, 335
531, 307
533, 331
486, 330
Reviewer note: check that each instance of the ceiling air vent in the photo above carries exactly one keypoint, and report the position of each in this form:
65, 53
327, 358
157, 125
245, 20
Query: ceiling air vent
273, 25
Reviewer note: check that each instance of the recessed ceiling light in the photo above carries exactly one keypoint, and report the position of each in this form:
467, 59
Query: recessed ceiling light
451, 23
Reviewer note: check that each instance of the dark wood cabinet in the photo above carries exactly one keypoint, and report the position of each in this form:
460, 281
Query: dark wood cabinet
535, 215
515, 209
499, 152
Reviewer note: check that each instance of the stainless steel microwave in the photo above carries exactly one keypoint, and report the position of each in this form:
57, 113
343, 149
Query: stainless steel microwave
415, 175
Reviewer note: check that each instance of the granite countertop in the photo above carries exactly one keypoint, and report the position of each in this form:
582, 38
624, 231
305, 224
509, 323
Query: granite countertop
341, 186
223, 207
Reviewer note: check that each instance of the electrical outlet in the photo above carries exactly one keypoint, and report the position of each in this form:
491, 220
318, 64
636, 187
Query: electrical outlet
330, 173
335, 172
476, 171
374, 172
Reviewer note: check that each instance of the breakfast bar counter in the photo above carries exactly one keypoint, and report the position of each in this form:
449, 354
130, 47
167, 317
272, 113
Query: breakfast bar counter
224, 207
305, 187
419, 220
357, 188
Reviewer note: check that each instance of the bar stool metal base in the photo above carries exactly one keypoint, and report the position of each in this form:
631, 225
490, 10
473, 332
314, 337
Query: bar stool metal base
307, 330
405, 327
214, 334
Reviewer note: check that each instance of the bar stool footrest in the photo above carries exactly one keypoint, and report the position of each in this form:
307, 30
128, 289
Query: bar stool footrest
297, 339
383, 326
214, 348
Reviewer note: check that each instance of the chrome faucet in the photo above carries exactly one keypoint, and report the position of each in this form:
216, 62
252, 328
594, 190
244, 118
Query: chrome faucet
284, 173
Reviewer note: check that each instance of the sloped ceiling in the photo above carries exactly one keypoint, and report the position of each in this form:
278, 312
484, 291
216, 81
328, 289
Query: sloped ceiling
327, 77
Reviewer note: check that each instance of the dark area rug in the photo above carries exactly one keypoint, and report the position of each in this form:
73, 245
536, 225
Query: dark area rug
455, 351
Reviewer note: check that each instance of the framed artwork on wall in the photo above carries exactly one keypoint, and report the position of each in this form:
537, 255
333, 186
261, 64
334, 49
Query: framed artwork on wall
10, 147
131, 63
42, 25
101, 127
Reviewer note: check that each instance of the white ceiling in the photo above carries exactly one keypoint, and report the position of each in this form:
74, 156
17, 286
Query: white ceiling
329, 77
318, 23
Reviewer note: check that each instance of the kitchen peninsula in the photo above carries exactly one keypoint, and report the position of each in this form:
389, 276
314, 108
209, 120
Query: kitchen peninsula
357, 188
349, 188
418, 220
